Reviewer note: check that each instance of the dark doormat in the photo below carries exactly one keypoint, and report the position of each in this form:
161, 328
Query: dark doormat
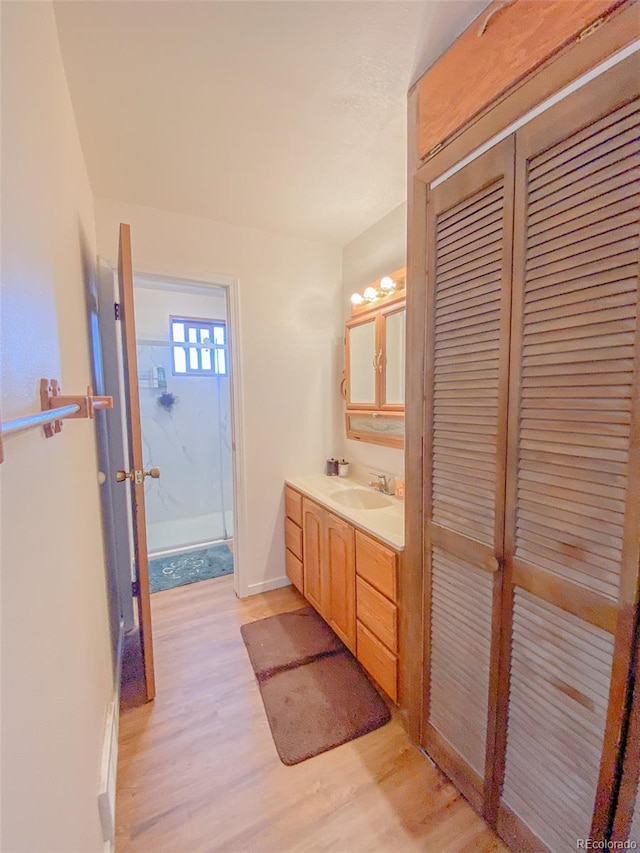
315, 694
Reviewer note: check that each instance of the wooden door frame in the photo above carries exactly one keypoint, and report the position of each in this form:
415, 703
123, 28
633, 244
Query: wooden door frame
230, 284
176, 282
630, 775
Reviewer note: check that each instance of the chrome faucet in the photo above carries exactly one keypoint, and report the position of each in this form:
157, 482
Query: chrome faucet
381, 483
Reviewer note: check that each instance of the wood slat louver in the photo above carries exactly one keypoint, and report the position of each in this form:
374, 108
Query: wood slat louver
558, 698
577, 368
571, 528
467, 366
467, 329
460, 655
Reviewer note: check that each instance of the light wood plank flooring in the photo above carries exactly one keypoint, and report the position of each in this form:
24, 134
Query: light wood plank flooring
198, 770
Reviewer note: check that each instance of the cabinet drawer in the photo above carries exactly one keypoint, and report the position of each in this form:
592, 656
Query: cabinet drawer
378, 614
377, 564
378, 661
295, 571
293, 537
293, 505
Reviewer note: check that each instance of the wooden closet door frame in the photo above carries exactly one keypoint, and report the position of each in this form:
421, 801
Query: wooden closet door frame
499, 162
619, 619
578, 57
629, 787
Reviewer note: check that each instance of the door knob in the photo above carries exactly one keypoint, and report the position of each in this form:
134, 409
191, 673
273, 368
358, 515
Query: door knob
137, 476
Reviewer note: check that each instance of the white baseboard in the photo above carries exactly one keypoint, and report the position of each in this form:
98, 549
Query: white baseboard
109, 757
108, 772
265, 586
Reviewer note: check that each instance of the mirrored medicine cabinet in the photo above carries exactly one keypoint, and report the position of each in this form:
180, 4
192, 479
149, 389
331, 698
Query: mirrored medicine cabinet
375, 339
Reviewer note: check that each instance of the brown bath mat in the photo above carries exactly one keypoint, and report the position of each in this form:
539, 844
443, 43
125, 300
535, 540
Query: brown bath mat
315, 701
278, 642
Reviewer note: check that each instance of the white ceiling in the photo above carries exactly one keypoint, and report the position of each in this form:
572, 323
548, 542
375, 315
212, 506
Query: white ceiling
286, 116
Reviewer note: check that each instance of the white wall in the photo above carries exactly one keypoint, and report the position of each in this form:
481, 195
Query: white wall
376, 252
154, 305
56, 662
290, 319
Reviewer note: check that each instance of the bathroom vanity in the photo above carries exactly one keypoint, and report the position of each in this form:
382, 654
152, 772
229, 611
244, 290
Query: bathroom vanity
344, 544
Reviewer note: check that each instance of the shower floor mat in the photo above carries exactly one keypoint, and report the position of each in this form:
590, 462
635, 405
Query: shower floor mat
190, 567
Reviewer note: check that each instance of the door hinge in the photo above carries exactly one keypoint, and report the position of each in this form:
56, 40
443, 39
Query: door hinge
135, 589
117, 311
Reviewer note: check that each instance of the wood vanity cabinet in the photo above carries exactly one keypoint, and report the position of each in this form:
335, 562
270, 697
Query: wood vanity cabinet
351, 579
329, 569
293, 538
377, 611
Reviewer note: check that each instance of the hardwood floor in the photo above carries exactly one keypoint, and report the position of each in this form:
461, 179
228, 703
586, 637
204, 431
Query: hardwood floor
198, 770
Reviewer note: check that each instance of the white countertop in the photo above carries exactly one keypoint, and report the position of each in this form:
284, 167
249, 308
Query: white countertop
386, 523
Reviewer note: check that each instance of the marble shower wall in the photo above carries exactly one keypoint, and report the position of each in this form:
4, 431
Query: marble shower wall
191, 442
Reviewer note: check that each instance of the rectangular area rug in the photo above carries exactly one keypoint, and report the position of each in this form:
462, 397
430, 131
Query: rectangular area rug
315, 694
190, 566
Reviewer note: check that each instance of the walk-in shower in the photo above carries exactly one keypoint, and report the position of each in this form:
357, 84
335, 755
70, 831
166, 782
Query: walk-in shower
185, 408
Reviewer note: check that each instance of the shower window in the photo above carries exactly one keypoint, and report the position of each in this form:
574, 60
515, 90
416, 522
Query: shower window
199, 346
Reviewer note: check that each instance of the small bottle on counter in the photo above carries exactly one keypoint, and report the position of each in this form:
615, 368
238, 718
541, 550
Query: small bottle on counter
343, 468
399, 488
331, 468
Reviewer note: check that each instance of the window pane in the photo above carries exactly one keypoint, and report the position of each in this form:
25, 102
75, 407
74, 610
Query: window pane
206, 359
177, 331
193, 358
193, 335
179, 360
205, 336
221, 361
218, 335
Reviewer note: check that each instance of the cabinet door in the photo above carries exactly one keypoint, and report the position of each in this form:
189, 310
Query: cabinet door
312, 531
340, 569
393, 345
363, 361
504, 44
572, 528
469, 256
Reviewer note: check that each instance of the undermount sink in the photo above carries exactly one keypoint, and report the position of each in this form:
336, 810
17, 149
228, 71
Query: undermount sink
361, 499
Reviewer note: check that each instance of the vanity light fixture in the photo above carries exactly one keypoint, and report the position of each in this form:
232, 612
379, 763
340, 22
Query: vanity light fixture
384, 288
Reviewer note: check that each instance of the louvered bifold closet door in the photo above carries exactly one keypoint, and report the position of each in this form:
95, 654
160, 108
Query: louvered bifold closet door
573, 470
469, 283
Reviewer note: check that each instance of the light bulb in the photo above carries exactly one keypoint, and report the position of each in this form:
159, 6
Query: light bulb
370, 293
387, 283
357, 299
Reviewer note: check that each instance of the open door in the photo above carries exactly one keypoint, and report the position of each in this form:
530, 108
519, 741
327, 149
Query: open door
133, 479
